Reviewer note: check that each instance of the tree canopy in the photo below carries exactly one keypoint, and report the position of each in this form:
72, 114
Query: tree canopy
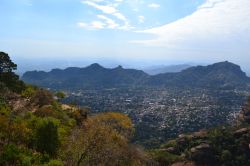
7, 76
6, 65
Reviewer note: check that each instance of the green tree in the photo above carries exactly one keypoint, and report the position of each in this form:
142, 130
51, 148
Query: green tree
7, 76
47, 137
9, 155
6, 65
103, 139
60, 95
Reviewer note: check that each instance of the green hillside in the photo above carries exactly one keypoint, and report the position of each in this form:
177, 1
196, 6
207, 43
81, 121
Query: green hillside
36, 129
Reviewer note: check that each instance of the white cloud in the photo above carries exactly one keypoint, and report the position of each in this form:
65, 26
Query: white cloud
82, 25
97, 24
141, 19
104, 8
91, 26
111, 10
216, 25
210, 4
154, 5
105, 22
110, 23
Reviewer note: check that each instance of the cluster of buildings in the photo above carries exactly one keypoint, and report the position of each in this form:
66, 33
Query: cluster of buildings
165, 112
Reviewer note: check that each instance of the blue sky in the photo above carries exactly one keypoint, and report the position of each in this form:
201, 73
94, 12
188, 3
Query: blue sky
130, 32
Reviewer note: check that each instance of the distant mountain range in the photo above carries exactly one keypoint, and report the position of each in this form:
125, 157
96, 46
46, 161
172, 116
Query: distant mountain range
93, 76
218, 75
166, 69
222, 75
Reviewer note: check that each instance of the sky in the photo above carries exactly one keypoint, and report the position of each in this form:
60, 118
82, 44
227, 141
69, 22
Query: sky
135, 33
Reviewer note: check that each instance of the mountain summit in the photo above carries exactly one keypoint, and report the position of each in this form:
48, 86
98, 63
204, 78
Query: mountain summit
93, 76
218, 75
222, 74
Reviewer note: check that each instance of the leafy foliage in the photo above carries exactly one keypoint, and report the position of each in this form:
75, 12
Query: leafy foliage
103, 139
6, 65
35, 129
52, 134
29, 91
60, 95
47, 137
7, 76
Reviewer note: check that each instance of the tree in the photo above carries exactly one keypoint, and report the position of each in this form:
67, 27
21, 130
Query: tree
103, 139
6, 65
47, 137
10, 155
60, 95
7, 76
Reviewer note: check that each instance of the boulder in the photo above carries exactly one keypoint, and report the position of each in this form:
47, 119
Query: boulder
171, 150
240, 132
200, 148
202, 154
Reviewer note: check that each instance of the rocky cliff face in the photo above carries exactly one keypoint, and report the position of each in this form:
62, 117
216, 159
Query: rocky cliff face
220, 146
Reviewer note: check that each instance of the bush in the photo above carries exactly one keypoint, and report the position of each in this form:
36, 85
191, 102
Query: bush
47, 139
42, 97
10, 155
26, 161
29, 91
226, 156
55, 163
165, 158
45, 111
60, 95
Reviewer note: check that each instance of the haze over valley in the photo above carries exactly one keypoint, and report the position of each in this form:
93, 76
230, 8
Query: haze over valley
161, 106
125, 82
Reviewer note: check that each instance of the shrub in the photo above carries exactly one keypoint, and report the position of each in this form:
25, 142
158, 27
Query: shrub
10, 155
47, 139
55, 163
42, 97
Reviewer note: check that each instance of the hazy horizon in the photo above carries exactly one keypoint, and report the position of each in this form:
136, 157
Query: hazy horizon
133, 33
39, 65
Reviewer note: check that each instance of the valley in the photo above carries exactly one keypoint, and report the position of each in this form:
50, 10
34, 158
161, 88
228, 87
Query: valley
161, 106
163, 113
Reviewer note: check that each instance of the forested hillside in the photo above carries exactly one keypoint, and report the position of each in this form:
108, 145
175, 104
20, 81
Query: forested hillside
36, 129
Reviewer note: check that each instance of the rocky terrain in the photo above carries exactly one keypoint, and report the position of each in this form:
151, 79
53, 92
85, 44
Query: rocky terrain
224, 145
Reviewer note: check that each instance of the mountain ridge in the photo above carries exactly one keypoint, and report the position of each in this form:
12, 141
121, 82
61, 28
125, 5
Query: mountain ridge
92, 75
221, 74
